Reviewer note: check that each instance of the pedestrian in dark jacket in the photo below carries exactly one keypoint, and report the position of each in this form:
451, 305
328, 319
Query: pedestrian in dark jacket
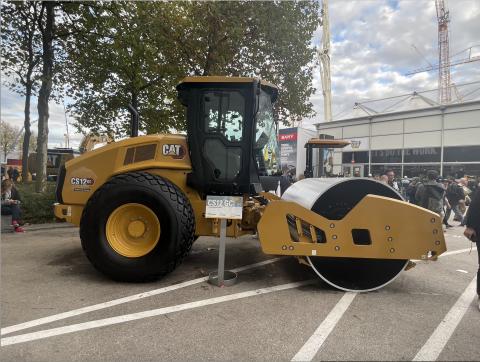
11, 203
455, 193
412, 190
472, 231
10, 172
15, 174
430, 193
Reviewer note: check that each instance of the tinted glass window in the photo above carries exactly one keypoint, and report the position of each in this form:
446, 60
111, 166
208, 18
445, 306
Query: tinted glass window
427, 154
224, 113
266, 141
358, 157
458, 171
378, 170
224, 162
461, 154
386, 156
419, 170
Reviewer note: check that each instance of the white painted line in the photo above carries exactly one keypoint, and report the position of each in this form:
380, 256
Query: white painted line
439, 338
311, 347
453, 252
256, 265
21, 338
91, 308
462, 271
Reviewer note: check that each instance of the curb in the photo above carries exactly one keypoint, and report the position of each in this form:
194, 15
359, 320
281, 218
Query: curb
36, 227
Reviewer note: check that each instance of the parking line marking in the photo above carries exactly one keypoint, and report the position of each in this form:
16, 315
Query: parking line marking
311, 347
146, 314
91, 308
453, 252
439, 338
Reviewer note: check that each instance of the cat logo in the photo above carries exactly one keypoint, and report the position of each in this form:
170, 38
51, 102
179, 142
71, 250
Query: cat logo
174, 151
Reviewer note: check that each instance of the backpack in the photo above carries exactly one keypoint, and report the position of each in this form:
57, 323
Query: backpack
433, 198
455, 192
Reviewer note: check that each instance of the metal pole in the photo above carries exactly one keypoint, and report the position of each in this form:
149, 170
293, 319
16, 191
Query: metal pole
221, 251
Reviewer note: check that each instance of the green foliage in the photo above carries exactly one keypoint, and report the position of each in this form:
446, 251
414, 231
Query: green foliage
115, 59
21, 45
136, 52
37, 207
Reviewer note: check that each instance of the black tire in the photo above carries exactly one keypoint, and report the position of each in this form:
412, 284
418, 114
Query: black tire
166, 200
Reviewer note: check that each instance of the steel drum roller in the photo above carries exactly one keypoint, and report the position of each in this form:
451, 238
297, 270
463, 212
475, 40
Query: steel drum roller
333, 199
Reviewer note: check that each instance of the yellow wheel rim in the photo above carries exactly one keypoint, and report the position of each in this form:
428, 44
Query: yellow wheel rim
133, 230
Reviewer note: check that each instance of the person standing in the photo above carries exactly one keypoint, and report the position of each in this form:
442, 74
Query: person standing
430, 194
446, 204
412, 190
472, 231
391, 180
454, 195
10, 172
15, 174
11, 204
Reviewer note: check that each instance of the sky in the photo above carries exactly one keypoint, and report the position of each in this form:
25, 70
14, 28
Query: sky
371, 50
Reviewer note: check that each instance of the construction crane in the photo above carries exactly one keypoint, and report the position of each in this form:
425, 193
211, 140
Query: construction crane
324, 58
443, 18
468, 59
445, 84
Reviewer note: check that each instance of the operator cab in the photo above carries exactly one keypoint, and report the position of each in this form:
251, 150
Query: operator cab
232, 134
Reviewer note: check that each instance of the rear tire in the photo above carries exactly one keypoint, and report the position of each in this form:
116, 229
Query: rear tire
160, 198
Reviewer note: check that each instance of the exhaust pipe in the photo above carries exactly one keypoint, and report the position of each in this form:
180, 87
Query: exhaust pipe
134, 121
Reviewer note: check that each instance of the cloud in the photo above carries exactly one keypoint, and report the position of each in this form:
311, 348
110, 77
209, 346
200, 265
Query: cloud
371, 52
372, 49
12, 111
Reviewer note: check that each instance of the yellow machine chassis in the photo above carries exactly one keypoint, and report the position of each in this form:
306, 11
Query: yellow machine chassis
383, 217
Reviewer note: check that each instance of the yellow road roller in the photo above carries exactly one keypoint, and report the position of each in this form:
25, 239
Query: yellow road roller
140, 202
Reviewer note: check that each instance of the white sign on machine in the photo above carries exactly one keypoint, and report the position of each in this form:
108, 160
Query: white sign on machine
224, 207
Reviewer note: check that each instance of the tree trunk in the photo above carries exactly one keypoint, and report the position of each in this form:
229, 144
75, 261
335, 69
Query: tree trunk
44, 96
27, 134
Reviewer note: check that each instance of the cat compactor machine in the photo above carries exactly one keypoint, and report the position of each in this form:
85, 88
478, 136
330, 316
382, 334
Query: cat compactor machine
140, 202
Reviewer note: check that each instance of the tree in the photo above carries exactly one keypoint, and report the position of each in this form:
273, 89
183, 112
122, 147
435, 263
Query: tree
136, 52
21, 55
115, 59
31, 147
46, 23
8, 138
270, 40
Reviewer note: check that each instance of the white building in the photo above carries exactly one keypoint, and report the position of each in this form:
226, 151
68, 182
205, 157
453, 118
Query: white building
417, 136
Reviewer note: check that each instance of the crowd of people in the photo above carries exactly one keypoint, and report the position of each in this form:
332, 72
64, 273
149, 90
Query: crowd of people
444, 196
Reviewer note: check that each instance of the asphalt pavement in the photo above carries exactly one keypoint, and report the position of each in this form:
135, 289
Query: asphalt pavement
274, 312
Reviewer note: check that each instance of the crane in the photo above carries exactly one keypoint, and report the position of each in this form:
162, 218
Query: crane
324, 57
445, 84
468, 59
443, 18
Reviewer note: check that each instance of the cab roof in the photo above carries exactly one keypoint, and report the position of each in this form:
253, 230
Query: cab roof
326, 143
271, 88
